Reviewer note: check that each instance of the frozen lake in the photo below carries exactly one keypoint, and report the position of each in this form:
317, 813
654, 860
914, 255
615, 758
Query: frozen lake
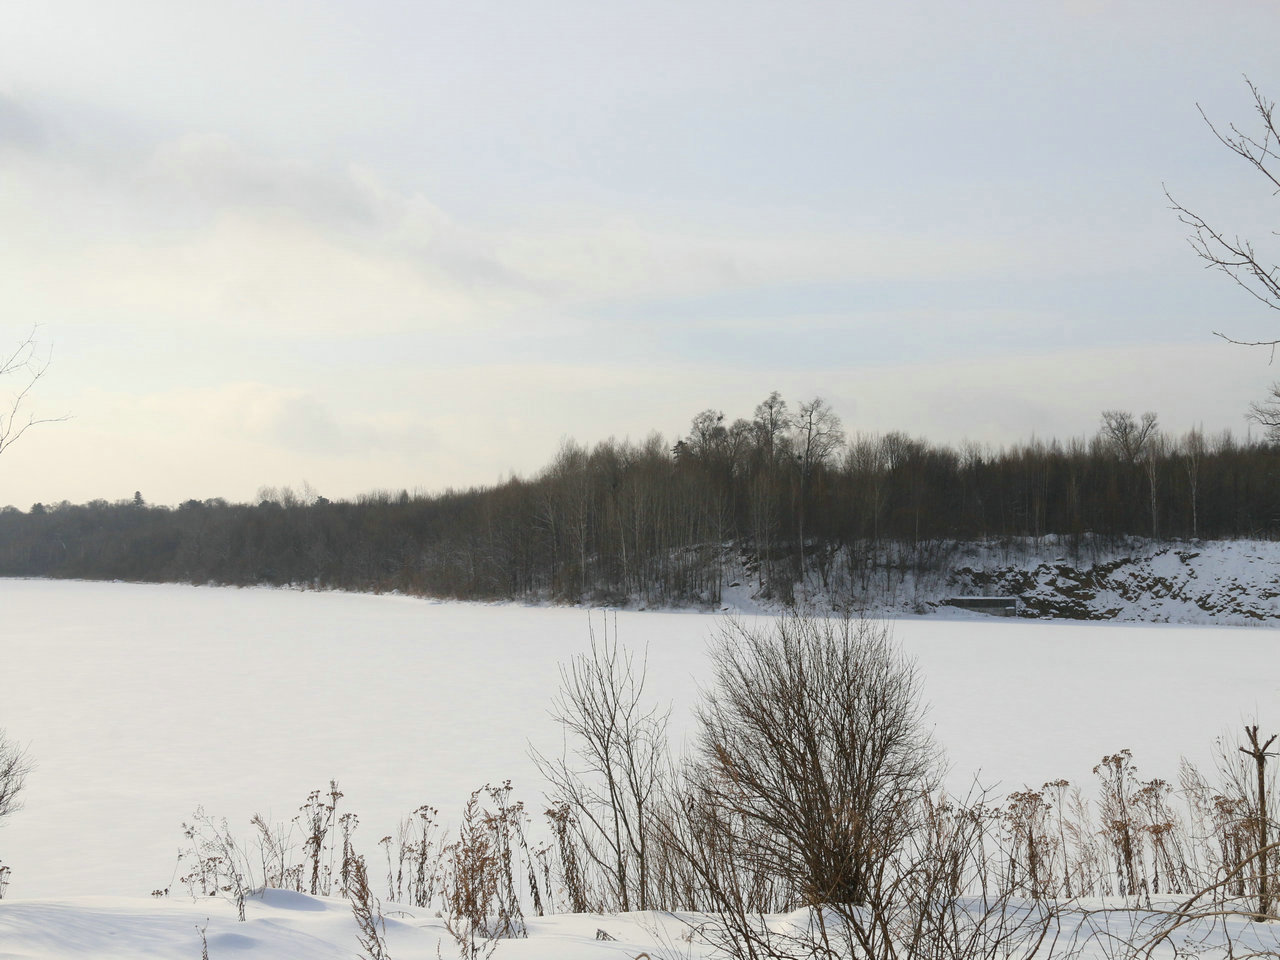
140, 702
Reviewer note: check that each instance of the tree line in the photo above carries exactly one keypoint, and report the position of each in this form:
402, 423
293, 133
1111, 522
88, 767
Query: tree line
785, 492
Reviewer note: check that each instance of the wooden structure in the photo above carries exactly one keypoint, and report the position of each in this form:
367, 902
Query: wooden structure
996, 606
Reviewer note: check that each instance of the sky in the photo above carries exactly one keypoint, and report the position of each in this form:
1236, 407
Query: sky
392, 245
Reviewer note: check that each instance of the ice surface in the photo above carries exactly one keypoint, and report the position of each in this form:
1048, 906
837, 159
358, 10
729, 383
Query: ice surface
141, 702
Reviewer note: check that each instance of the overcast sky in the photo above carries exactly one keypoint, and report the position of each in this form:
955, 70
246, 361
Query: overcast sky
414, 245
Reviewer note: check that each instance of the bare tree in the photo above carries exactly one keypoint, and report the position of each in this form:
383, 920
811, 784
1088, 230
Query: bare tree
818, 435
15, 765
1193, 451
770, 421
1267, 413
1128, 438
707, 433
1258, 753
609, 775
1234, 255
1136, 443
22, 366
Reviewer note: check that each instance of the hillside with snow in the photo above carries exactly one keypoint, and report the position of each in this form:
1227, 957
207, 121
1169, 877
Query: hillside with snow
1229, 582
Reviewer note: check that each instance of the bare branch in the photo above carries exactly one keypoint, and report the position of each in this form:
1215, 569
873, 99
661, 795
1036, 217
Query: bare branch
28, 364
1233, 255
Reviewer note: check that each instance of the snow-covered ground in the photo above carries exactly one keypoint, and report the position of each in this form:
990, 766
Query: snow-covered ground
289, 926
141, 702
1210, 582
1193, 581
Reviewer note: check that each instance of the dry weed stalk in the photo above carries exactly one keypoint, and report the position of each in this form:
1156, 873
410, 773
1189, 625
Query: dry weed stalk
220, 866
370, 926
317, 816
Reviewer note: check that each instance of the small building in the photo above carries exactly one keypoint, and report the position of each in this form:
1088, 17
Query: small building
996, 606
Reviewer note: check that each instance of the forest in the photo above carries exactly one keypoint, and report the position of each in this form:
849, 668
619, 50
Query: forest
785, 492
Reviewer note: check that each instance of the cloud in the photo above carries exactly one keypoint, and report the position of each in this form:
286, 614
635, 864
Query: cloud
289, 419
19, 128
213, 171
204, 234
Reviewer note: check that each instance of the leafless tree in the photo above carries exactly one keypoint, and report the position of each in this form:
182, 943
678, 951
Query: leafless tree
770, 421
818, 435
707, 433
1193, 449
1258, 753
1267, 412
1137, 443
22, 367
15, 765
1128, 438
1221, 250
609, 775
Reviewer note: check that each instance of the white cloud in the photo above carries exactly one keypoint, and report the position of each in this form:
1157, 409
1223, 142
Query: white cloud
273, 242
213, 171
205, 235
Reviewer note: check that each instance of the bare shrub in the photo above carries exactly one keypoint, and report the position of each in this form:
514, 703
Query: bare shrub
348, 823
484, 872
1118, 782
15, 766
569, 859
506, 825
275, 846
1166, 838
218, 865
317, 817
414, 858
933, 896
215, 863
816, 786
1033, 848
471, 883
812, 733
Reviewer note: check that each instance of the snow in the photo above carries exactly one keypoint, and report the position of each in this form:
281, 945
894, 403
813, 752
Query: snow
289, 926
279, 926
1224, 582
141, 702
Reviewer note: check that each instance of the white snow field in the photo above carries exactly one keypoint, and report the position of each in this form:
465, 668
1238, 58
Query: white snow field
281, 925
141, 702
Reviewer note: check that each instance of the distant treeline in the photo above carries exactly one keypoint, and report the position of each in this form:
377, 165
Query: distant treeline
655, 523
